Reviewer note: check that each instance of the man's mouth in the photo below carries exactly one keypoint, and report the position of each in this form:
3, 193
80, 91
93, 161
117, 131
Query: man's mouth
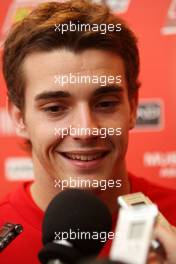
84, 157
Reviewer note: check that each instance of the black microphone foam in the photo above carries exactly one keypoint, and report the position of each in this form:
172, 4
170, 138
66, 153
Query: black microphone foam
78, 211
99, 261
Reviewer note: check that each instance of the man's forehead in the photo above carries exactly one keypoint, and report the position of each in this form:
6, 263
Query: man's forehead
64, 60
43, 70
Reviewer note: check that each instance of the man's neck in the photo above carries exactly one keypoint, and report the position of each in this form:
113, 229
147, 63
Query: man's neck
42, 195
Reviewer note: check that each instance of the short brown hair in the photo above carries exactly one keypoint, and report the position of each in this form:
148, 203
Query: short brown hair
36, 33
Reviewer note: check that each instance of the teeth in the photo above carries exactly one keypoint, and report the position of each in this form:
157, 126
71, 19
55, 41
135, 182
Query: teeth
83, 157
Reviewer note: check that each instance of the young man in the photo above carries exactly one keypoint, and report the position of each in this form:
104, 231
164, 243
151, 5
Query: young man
44, 58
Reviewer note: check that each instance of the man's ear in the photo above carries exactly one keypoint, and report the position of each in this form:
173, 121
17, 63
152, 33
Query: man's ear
17, 120
133, 110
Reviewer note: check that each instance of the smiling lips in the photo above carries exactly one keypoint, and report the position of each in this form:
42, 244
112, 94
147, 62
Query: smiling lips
84, 156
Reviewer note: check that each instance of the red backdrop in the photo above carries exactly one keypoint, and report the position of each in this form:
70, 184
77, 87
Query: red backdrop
152, 152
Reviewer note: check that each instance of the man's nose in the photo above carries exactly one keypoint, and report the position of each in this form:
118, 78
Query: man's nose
85, 123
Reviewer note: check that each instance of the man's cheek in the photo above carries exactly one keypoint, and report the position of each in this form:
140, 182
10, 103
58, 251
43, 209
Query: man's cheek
120, 144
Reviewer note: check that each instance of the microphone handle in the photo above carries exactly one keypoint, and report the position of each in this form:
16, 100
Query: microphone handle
55, 261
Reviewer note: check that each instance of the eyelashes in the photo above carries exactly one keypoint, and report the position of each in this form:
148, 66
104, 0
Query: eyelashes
106, 105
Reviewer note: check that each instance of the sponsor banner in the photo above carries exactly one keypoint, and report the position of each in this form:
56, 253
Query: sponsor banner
150, 115
170, 24
6, 126
163, 162
120, 6
18, 9
18, 169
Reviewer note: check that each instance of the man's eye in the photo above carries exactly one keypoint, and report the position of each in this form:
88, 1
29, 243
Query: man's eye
54, 109
107, 104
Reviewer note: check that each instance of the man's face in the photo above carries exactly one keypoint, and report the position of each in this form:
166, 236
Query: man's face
50, 106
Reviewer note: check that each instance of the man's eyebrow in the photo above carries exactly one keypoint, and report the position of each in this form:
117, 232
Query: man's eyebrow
108, 89
52, 95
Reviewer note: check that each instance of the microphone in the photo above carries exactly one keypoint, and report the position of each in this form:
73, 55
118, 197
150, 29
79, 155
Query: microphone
73, 226
100, 261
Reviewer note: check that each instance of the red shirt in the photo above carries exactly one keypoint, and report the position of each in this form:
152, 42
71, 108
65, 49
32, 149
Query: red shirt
19, 208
